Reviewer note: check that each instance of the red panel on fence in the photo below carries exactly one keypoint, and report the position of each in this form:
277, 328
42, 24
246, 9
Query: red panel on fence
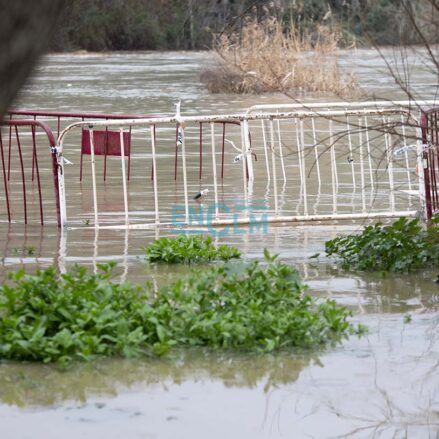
105, 143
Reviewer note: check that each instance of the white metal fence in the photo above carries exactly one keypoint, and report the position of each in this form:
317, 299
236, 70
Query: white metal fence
296, 162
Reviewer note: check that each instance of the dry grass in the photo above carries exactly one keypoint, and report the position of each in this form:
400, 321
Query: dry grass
265, 58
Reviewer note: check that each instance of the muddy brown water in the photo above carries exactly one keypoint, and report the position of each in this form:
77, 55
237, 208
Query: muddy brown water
383, 385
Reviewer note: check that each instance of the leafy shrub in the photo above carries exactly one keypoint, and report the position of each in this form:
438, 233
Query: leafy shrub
259, 308
188, 249
399, 247
51, 317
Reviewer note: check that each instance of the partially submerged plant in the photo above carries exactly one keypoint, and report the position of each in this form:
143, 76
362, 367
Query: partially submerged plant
255, 308
188, 249
264, 57
63, 317
78, 315
400, 247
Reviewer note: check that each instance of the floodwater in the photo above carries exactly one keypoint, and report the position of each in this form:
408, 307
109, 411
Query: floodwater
385, 384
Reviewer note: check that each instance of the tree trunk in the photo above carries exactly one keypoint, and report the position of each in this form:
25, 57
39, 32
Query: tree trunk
25, 27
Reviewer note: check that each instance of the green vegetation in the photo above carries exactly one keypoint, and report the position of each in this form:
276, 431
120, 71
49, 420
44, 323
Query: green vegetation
78, 315
189, 24
26, 251
256, 308
400, 247
188, 249
52, 317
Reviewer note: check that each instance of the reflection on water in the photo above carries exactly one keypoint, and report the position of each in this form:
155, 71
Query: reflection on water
26, 385
383, 385
359, 389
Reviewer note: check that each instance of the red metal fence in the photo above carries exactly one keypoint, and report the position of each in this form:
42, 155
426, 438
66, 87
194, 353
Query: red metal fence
430, 139
14, 146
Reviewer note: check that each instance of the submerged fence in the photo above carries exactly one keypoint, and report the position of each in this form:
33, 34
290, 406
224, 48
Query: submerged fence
29, 170
288, 163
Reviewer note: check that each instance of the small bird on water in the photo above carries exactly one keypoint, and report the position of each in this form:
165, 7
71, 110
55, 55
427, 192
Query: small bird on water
200, 194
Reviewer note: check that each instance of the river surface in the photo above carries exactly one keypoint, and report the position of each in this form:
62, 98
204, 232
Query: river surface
385, 384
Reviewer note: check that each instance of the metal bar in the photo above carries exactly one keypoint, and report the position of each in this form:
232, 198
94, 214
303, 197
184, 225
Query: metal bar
35, 161
244, 166
82, 154
299, 158
334, 176
124, 181
75, 115
371, 104
406, 156
334, 157
9, 149
93, 175
23, 179
264, 139
215, 185
287, 219
362, 178
5, 180
59, 188
316, 152
222, 150
176, 151
281, 151
434, 152
129, 153
424, 177
154, 174
201, 152
432, 168
152, 166
34, 149
369, 153
273, 165
302, 153
388, 143
351, 158
247, 155
230, 118
183, 155
105, 153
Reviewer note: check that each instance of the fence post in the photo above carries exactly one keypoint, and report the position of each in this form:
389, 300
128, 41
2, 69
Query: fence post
424, 179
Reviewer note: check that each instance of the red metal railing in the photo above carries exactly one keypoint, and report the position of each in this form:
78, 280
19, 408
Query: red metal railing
430, 138
62, 119
14, 126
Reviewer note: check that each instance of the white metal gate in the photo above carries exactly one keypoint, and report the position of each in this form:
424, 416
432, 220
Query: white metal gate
289, 163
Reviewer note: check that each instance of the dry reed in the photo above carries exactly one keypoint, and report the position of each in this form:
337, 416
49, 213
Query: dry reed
265, 58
